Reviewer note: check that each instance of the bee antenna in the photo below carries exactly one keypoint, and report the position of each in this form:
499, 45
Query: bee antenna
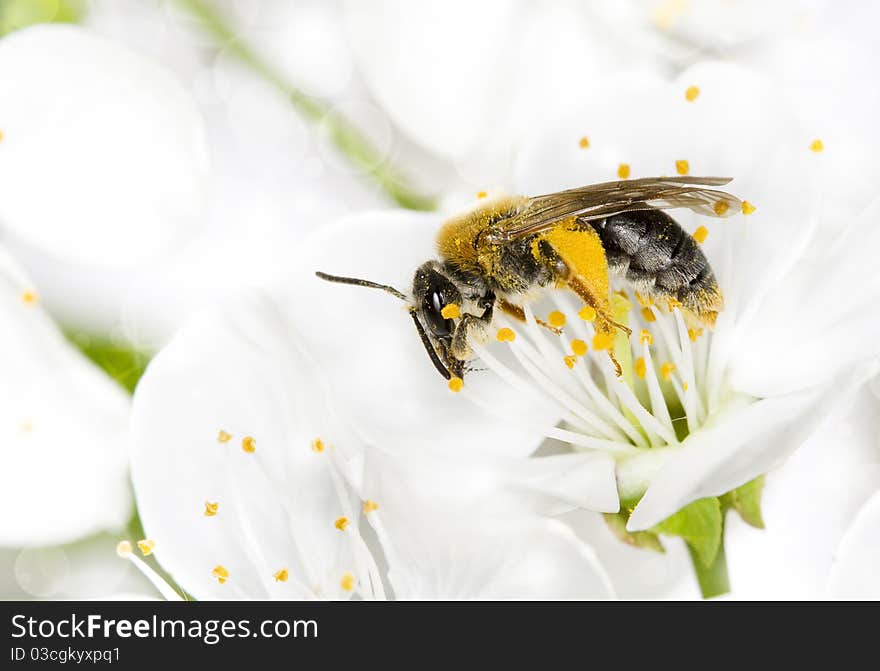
361, 283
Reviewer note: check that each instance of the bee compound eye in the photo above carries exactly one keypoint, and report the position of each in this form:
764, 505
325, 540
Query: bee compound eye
432, 308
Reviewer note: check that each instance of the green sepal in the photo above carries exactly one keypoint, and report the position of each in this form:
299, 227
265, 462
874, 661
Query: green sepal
746, 500
642, 539
700, 524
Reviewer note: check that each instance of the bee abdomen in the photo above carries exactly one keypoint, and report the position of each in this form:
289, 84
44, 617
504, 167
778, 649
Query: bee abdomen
659, 258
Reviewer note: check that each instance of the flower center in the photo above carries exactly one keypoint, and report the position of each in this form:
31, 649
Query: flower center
665, 391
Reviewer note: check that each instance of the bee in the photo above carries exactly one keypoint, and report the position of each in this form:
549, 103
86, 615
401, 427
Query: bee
507, 251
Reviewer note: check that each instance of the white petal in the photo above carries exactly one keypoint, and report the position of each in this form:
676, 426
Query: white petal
788, 344
747, 442
854, 573
536, 559
494, 485
472, 103
240, 371
465, 530
63, 427
637, 573
367, 348
541, 560
807, 505
103, 155
403, 51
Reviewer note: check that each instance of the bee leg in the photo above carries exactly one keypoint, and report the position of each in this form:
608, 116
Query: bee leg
519, 314
460, 347
618, 369
599, 305
604, 321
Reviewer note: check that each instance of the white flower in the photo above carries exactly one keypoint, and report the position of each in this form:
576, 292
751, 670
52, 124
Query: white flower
788, 345
63, 428
250, 485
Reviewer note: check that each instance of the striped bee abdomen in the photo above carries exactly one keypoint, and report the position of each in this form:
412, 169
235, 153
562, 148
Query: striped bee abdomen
660, 259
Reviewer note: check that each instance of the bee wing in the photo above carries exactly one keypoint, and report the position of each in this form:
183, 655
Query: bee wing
608, 198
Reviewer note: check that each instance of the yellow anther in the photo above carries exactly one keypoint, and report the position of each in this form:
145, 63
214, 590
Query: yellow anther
691, 93
249, 444
347, 582
682, 167
645, 336
482, 194
641, 369
684, 386
370, 506
29, 297
693, 334
146, 547
506, 335
587, 313
816, 145
721, 207
673, 303
211, 508
702, 233
220, 573
570, 360
556, 319
281, 575
648, 315
317, 445
747, 207
623, 170
579, 347
341, 523
603, 341
456, 384
123, 548
666, 370
584, 142
451, 311
223, 437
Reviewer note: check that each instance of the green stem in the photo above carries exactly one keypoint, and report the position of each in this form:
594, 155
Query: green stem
713, 579
347, 138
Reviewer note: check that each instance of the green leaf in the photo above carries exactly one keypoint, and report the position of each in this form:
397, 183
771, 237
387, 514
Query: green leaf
642, 539
700, 524
16, 14
746, 500
123, 363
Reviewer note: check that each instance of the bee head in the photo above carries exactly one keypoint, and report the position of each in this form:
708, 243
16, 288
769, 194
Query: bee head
432, 292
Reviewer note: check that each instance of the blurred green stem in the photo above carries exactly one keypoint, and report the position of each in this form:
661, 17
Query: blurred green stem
350, 141
713, 579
